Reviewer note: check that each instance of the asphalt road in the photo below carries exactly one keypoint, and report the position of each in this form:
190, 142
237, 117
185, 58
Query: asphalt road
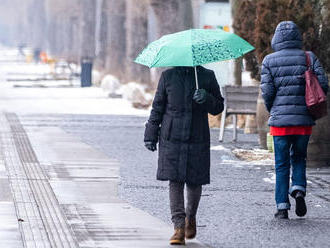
236, 209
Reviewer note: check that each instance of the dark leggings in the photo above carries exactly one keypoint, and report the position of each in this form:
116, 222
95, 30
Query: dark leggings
178, 211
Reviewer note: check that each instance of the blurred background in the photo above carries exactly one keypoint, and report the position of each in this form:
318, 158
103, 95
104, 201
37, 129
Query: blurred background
67, 78
94, 42
108, 33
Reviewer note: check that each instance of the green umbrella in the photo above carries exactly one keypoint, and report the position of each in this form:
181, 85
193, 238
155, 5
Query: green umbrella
193, 47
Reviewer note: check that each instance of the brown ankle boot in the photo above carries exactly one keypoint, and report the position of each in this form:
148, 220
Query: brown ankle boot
190, 228
178, 237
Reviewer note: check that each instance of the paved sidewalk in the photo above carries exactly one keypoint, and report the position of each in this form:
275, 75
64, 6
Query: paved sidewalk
60, 159
64, 194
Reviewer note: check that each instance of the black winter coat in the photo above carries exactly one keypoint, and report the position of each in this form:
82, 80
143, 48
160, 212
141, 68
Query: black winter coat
283, 81
181, 125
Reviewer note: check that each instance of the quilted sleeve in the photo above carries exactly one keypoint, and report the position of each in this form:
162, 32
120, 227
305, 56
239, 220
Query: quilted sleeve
319, 72
156, 116
268, 89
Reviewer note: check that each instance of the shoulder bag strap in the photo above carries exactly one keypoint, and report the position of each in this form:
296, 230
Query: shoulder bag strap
308, 61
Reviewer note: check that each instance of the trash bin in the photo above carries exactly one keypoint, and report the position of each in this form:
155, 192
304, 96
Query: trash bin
36, 55
86, 72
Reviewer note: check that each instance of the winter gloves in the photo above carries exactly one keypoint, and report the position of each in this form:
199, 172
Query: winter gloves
150, 145
200, 96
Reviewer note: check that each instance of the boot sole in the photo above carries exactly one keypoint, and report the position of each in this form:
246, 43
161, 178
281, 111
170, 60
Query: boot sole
281, 217
301, 208
177, 242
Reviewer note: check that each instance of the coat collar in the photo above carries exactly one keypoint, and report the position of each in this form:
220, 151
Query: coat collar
187, 76
188, 69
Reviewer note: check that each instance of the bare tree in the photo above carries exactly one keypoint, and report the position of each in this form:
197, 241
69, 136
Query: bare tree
172, 15
69, 32
114, 21
15, 25
87, 42
101, 35
319, 145
136, 39
238, 62
37, 20
57, 38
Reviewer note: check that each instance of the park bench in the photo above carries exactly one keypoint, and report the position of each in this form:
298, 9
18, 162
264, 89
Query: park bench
60, 71
238, 101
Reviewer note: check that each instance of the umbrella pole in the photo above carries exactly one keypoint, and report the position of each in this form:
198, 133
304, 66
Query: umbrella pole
196, 79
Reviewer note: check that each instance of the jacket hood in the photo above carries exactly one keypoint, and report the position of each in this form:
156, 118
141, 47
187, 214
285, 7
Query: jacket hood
287, 35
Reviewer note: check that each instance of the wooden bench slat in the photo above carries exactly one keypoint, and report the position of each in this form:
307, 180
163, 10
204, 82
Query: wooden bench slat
239, 100
245, 89
246, 106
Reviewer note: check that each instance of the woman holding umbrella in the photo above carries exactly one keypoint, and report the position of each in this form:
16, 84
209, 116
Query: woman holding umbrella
179, 116
179, 122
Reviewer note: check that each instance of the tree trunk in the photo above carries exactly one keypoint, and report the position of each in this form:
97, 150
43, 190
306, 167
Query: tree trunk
319, 145
73, 39
116, 37
136, 39
238, 62
262, 121
87, 43
62, 38
100, 39
103, 35
238, 72
37, 20
251, 124
72, 32
170, 16
52, 32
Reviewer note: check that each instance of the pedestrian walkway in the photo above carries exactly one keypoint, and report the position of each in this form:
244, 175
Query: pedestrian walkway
57, 191
64, 194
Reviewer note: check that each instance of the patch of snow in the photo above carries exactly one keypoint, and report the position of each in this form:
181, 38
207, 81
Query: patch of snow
220, 148
227, 159
238, 166
270, 179
96, 77
110, 84
91, 100
55, 97
136, 94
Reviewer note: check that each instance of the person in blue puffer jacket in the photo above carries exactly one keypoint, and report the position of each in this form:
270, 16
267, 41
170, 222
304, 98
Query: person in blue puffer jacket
283, 89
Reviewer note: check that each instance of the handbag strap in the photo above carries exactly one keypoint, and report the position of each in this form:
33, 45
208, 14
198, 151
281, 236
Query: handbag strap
308, 61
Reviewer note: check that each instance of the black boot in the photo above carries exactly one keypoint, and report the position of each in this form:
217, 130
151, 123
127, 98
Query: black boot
301, 208
281, 214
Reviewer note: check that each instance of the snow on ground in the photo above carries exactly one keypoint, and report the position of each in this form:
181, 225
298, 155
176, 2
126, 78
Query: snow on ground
220, 148
53, 97
63, 101
28, 68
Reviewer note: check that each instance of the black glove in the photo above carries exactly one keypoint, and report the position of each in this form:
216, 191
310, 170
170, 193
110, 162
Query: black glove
150, 145
200, 96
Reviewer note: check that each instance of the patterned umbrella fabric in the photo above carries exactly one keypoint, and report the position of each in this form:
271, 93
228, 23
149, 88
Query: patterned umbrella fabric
193, 47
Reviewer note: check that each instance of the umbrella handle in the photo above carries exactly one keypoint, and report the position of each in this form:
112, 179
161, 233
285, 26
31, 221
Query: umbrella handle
196, 79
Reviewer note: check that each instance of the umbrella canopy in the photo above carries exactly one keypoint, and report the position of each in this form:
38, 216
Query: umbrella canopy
193, 47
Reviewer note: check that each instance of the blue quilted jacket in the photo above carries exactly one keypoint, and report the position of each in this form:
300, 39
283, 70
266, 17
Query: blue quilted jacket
283, 80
